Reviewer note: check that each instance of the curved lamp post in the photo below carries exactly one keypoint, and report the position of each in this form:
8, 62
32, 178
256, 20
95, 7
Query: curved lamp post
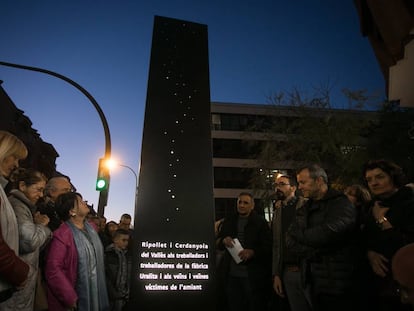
110, 163
103, 195
136, 183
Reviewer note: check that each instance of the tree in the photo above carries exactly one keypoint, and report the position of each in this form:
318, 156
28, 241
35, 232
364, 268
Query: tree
310, 130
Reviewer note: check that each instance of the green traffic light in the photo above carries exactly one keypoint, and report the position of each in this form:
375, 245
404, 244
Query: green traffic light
102, 180
100, 184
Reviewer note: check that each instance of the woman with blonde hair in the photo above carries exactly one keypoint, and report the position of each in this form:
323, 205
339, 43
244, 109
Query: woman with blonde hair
361, 198
13, 270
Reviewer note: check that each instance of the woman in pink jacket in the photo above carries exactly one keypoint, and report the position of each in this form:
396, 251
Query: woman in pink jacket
74, 269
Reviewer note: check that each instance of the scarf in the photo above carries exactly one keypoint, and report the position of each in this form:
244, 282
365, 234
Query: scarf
90, 285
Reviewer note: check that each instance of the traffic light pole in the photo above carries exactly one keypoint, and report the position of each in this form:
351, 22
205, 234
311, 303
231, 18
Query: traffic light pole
103, 195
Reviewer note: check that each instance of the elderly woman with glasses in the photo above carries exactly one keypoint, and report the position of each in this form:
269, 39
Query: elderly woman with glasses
75, 271
28, 185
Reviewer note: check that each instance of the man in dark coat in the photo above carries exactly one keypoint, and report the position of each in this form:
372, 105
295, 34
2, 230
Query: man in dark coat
323, 235
285, 265
248, 272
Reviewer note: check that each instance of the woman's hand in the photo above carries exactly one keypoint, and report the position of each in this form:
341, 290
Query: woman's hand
378, 263
40, 219
379, 211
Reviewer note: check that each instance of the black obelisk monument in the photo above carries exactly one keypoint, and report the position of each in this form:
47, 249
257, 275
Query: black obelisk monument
173, 256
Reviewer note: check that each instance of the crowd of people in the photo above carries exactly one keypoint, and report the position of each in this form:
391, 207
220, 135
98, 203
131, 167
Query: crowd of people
323, 249
55, 252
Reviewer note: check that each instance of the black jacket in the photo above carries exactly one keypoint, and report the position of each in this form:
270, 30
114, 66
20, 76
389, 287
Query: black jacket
257, 236
117, 272
323, 235
401, 216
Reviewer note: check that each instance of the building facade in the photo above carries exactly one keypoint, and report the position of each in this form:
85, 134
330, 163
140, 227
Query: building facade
389, 26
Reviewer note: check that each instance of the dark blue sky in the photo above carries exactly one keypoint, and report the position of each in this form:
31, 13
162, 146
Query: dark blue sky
255, 48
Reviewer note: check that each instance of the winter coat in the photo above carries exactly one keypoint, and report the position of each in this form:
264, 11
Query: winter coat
278, 256
401, 216
31, 238
117, 272
61, 269
323, 236
257, 236
386, 242
13, 270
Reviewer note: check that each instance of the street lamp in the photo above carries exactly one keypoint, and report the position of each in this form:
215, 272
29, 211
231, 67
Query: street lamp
136, 184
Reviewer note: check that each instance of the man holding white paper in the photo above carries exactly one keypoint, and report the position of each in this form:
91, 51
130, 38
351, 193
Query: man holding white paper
247, 237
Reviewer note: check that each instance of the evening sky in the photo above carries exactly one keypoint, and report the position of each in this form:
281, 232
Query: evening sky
256, 48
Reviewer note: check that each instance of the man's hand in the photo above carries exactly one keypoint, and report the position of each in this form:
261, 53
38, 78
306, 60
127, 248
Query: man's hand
246, 254
228, 242
277, 286
278, 204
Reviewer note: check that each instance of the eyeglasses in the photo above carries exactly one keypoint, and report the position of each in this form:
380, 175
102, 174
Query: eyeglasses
40, 190
66, 190
281, 184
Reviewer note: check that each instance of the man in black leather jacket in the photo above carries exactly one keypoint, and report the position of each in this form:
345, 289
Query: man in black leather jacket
323, 235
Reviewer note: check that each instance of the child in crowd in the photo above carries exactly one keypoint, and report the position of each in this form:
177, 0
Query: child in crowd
117, 270
108, 233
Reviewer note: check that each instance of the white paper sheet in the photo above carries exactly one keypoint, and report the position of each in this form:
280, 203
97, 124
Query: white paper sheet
235, 250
